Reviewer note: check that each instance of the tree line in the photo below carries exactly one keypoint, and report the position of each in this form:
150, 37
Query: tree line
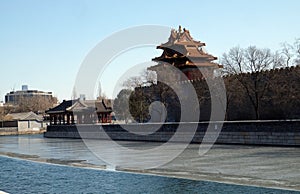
37, 104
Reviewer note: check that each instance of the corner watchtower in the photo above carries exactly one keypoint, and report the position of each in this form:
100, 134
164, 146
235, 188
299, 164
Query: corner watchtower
186, 54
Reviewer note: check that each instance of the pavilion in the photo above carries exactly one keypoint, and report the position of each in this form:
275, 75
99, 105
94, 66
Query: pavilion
71, 112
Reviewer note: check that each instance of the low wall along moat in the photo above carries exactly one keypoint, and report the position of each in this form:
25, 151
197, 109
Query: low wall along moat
283, 133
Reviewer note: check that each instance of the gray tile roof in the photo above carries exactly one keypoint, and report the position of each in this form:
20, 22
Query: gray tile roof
25, 116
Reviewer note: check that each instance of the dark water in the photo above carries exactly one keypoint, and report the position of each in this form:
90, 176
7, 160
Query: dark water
21, 176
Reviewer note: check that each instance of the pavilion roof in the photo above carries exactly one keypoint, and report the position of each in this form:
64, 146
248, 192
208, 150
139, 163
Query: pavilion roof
100, 106
89, 106
61, 108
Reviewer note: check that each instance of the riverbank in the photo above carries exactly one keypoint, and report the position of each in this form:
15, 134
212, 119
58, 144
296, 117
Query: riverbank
272, 167
5, 132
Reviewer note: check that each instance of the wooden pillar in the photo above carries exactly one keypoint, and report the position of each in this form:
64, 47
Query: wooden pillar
68, 119
99, 117
78, 118
64, 119
59, 118
50, 118
109, 116
88, 117
72, 119
104, 118
93, 118
55, 120
83, 117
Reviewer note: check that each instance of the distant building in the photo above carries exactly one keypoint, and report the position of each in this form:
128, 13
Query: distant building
24, 116
14, 97
82, 97
25, 121
24, 87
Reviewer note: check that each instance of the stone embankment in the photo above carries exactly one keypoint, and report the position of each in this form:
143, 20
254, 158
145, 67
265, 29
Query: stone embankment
15, 131
281, 133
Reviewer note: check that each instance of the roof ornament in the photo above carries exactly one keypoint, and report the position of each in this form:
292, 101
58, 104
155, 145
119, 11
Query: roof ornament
179, 32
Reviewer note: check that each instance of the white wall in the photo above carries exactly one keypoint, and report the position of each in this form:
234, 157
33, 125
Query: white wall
30, 125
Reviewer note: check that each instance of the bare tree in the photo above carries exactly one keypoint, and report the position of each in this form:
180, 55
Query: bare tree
297, 50
149, 77
38, 104
287, 52
233, 61
133, 82
146, 78
2, 114
257, 59
278, 60
254, 60
6, 109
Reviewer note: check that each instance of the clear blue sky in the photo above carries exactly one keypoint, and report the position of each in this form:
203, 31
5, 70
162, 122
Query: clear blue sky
42, 43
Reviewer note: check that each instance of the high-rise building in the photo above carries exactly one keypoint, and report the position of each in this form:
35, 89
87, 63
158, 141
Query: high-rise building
14, 97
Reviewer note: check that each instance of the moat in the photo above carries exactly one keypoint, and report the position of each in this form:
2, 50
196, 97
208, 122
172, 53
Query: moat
272, 167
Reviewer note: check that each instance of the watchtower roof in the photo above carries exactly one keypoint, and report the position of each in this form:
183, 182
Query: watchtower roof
182, 47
